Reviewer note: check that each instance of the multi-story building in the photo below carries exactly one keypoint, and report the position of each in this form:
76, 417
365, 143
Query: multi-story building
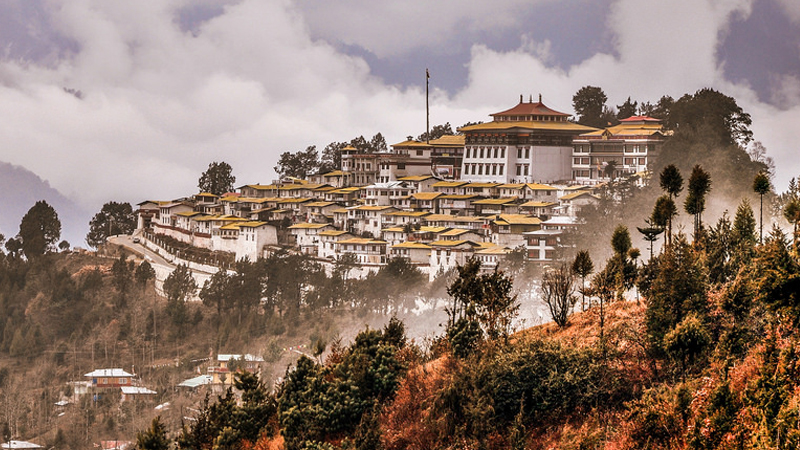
617, 151
529, 142
362, 167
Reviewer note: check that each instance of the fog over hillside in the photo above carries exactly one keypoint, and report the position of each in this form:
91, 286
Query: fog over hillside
20, 189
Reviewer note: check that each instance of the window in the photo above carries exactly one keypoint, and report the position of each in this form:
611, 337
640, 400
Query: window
527, 152
519, 153
480, 169
494, 169
481, 152
501, 170
526, 170
519, 170
495, 152
123, 381
503, 152
401, 166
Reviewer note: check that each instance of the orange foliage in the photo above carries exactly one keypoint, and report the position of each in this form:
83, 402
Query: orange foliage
406, 422
264, 443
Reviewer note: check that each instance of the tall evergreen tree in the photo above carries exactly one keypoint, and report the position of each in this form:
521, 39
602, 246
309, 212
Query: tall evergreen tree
761, 186
583, 267
39, 230
699, 186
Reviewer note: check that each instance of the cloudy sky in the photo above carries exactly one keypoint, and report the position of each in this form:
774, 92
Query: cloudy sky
167, 86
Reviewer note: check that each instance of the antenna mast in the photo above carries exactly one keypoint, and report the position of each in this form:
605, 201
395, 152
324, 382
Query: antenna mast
427, 108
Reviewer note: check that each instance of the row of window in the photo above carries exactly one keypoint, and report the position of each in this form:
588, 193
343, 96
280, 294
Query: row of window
616, 148
481, 169
519, 140
499, 152
584, 161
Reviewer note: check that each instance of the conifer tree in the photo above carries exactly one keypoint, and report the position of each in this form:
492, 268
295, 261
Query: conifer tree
695, 204
761, 186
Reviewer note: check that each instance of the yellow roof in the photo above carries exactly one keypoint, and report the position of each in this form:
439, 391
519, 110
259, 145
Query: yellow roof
460, 196
362, 241
416, 178
449, 184
512, 186
187, 213
494, 250
411, 143
333, 233
483, 185
262, 187
456, 140
206, 194
293, 187
252, 200
252, 224
409, 213
429, 229
346, 190
456, 232
537, 204
229, 198
221, 219
426, 195
449, 218
629, 129
320, 204
495, 201
336, 173
518, 219
574, 195
540, 187
453, 243
394, 229
530, 125
373, 207
295, 200
411, 244
309, 226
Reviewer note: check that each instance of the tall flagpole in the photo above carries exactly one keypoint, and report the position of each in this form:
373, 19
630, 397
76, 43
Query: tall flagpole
427, 108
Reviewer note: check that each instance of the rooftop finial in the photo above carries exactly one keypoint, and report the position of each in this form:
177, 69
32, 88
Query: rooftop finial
530, 98
520, 98
540, 98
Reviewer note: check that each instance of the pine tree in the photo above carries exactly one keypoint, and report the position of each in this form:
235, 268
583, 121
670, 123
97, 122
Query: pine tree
761, 186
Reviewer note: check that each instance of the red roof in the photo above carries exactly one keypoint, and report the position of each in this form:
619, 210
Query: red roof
640, 119
530, 109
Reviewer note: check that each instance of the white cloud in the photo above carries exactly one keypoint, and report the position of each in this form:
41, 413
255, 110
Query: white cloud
389, 28
160, 103
661, 48
791, 8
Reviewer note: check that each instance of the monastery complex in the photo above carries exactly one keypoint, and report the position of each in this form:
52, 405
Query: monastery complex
514, 183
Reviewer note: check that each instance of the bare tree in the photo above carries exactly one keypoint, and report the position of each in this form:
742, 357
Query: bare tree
558, 289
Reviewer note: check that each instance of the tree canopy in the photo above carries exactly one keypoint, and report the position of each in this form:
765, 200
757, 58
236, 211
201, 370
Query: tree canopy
113, 219
39, 230
217, 179
589, 103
